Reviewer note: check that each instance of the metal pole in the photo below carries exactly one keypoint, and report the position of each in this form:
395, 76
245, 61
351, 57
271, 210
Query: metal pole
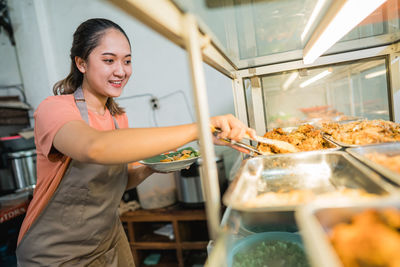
209, 176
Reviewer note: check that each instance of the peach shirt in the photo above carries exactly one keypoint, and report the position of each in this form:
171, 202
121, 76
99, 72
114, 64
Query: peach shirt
49, 117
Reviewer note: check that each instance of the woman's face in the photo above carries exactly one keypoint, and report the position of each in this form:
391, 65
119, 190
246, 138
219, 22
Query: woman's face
108, 67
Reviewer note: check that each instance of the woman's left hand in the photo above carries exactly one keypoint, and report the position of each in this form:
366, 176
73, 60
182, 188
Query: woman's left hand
231, 128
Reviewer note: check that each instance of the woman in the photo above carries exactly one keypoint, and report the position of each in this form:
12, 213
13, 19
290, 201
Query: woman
83, 146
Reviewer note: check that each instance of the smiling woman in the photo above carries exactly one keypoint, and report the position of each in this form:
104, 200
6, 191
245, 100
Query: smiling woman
84, 144
110, 64
106, 70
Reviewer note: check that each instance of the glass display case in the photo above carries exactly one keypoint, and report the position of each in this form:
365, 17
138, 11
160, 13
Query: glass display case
338, 92
259, 32
261, 45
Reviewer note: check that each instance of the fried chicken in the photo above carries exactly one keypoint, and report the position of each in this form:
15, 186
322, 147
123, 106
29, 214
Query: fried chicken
372, 239
305, 138
363, 132
391, 162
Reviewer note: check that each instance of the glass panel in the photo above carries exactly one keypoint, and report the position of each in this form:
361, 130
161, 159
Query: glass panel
249, 102
337, 92
246, 29
259, 32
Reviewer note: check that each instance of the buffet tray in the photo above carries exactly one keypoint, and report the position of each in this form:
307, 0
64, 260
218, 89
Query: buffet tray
343, 144
316, 220
388, 149
319, 123
336, 142
316, 171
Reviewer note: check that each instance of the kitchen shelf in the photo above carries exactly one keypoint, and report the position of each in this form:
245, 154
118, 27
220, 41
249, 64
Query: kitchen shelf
190, 235
168, 257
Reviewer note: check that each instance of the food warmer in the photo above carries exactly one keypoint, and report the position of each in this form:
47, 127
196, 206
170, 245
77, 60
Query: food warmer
284, 75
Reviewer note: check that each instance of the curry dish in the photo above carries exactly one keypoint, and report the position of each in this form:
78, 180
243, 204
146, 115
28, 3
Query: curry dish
372, 238
363, 132
305, 138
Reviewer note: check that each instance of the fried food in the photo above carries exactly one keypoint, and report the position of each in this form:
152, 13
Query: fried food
293, 197
390, 162
363, 132
303, 196
371, 239
305, 138
184, 154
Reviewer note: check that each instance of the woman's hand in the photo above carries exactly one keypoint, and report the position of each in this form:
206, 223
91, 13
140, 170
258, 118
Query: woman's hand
137, 173
231, 128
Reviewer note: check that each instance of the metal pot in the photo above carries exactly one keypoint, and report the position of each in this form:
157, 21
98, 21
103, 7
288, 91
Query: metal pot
189, 186
23, 167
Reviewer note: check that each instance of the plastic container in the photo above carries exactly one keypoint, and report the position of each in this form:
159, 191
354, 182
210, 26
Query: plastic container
157, 191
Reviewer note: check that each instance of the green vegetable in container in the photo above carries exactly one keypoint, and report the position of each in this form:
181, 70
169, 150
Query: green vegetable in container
271, 254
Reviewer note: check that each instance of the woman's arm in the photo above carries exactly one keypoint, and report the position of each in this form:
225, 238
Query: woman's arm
81, 142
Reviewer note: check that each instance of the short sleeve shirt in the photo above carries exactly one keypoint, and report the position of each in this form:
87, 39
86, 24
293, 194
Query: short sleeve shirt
53, 113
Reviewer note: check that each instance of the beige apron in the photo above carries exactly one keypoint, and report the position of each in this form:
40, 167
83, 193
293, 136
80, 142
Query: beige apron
80, 225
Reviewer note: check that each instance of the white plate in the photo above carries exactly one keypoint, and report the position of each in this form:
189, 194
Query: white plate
171, 166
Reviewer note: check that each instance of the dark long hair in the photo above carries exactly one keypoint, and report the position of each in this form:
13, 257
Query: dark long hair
86, 38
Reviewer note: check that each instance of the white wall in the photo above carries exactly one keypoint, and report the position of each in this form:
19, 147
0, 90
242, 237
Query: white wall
44, 31
9, 73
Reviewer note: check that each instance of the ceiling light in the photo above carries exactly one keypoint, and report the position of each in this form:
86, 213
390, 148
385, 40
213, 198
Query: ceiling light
312, 18
315, 78
341, 18
290, 80
375, 74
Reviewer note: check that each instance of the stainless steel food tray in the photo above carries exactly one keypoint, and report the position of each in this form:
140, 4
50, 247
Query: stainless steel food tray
319, 171
336, 142
388, 149
316, 220
343, 144
318, 123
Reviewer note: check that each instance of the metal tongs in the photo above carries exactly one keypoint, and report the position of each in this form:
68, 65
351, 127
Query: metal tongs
254, 151
273, 142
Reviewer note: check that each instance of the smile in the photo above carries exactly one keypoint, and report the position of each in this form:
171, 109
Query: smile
116, 82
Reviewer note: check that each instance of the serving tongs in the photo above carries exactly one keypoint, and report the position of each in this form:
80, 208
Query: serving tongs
282, 145
253, 151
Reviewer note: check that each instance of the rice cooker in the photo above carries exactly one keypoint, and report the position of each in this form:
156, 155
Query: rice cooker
189, 186
23, 167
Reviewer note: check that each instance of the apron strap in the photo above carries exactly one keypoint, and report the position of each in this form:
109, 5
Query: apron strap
115, 122
81, 104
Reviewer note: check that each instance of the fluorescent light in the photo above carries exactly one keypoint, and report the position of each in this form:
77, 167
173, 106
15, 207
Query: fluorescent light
315, 78
341, 18
375, 74
290, 80
312, 18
